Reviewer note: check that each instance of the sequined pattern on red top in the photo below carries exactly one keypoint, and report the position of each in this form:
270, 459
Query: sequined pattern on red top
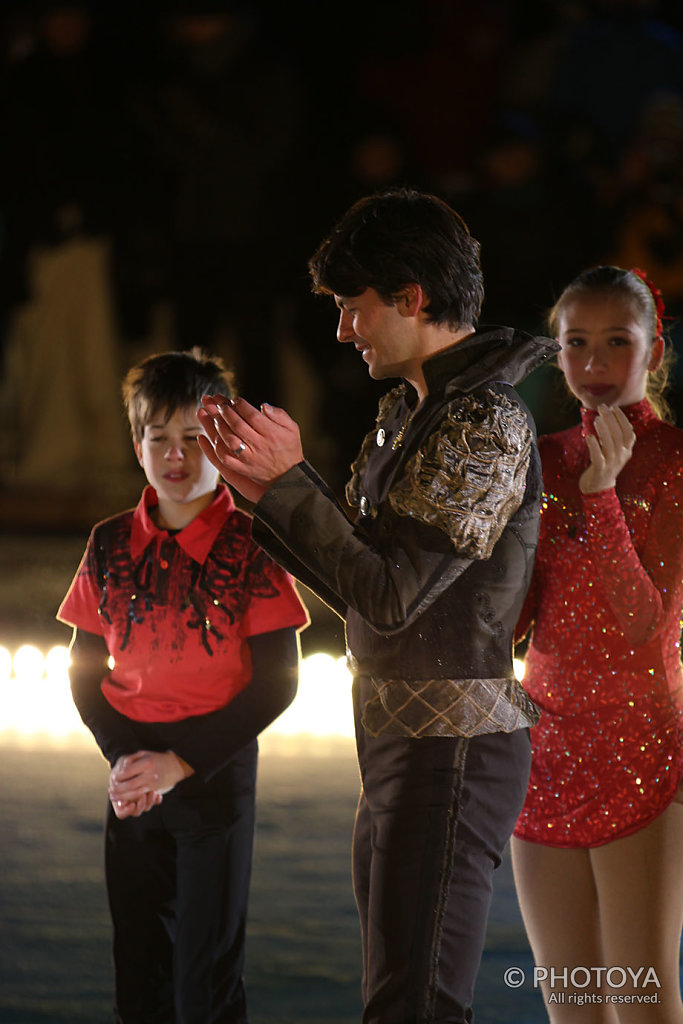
604, 661
176, 612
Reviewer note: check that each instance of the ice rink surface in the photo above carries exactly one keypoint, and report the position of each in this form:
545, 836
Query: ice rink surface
303, 956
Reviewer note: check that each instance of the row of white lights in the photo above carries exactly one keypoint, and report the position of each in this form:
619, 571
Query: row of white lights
35, 699
30, 663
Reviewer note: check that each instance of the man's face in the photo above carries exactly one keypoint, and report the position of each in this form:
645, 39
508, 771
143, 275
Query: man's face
383, 334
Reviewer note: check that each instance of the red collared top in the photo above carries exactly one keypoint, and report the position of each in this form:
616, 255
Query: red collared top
176, 611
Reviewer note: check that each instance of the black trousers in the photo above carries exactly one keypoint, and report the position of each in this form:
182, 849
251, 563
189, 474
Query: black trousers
178, 882
433, 820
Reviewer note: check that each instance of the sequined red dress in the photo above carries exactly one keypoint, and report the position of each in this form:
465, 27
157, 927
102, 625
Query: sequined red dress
604, 661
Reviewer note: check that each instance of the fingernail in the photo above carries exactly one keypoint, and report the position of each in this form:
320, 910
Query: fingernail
266, 408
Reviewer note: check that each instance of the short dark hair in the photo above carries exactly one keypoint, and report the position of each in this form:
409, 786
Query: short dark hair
170, 381
400, 237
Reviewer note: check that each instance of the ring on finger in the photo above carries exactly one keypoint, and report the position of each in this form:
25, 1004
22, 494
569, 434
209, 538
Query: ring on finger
241, 447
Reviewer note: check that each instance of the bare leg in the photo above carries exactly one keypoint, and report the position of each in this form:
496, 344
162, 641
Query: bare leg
559, 903
640, 886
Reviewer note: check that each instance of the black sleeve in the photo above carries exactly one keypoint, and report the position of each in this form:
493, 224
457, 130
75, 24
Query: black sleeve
280, 553
448, 507
207, 742
114, 733
387, 587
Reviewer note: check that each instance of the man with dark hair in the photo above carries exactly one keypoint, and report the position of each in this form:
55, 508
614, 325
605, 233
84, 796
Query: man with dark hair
430, 580
435, 251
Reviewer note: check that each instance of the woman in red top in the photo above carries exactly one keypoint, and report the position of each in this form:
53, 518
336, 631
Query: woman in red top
598, 848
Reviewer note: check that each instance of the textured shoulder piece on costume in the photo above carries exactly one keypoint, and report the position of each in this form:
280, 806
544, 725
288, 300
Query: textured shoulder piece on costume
468, 477
386, 404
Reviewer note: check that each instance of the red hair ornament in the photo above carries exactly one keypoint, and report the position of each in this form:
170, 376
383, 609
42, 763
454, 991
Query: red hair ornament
657, 298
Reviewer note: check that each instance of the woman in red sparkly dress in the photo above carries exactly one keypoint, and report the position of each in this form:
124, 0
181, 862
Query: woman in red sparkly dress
598, 848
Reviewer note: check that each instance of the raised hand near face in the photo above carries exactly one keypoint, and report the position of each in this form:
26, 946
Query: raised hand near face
609, 451
251, 448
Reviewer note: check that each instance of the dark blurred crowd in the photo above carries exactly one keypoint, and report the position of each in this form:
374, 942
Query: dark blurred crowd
210, 147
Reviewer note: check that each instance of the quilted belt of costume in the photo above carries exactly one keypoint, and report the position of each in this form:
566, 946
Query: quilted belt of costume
447, 707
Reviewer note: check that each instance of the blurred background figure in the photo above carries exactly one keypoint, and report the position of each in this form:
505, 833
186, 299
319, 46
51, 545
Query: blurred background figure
218, 119
61, 419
